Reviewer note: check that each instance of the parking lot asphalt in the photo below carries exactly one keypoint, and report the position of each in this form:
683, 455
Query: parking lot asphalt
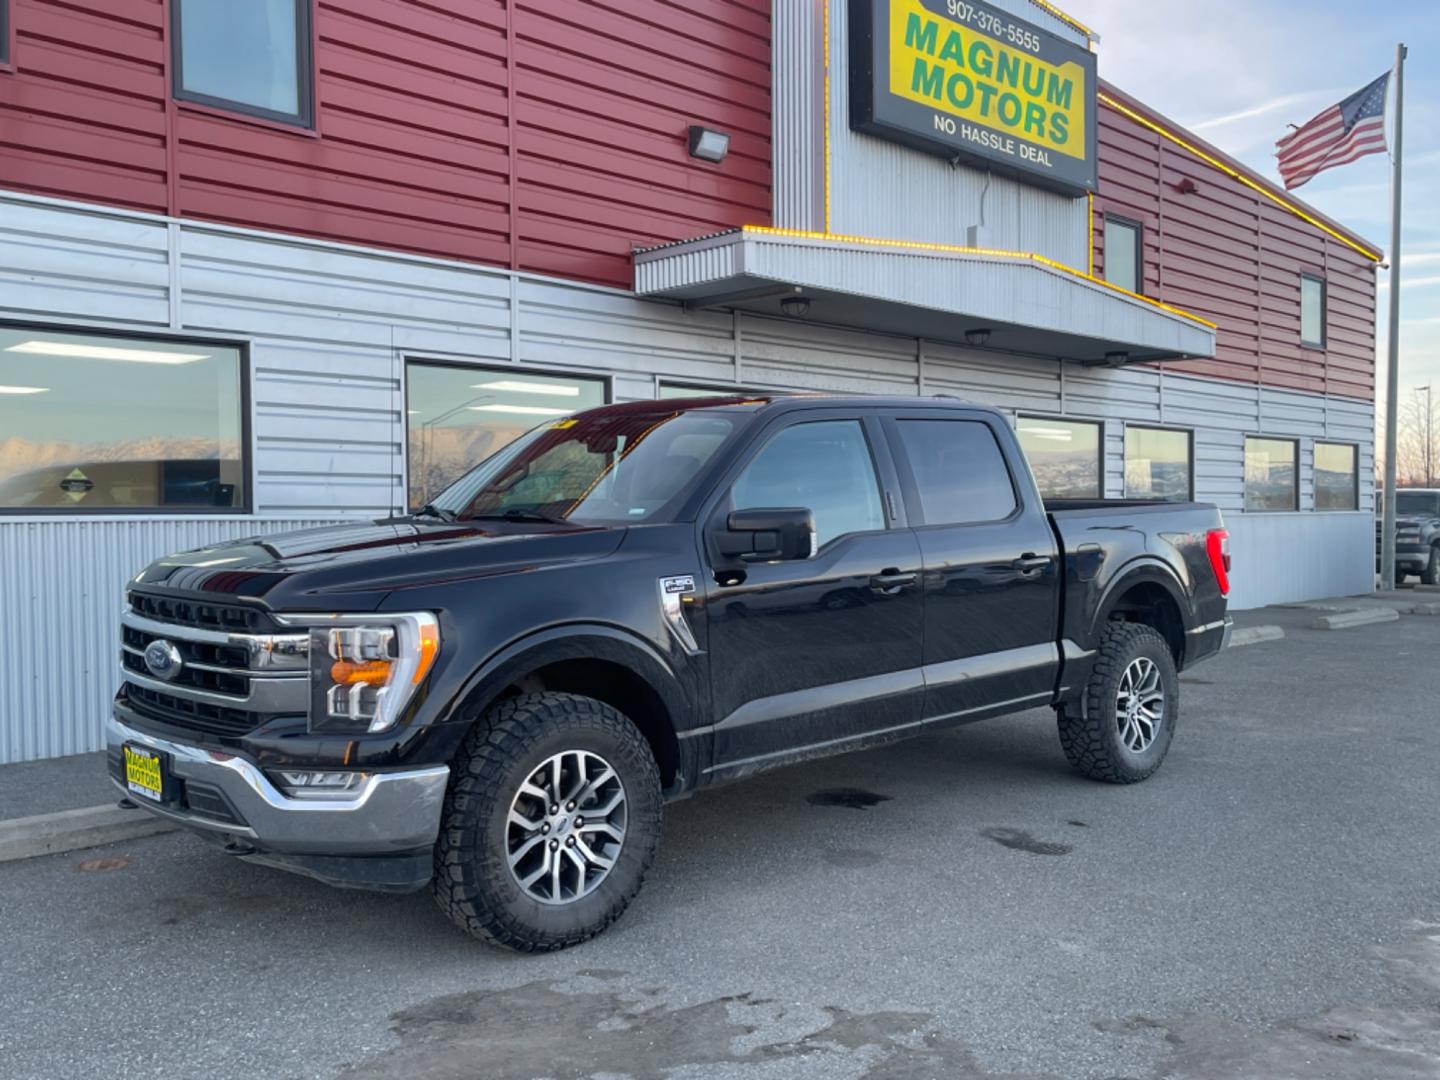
960, 905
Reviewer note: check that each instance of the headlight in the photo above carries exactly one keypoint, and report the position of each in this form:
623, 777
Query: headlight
364, 669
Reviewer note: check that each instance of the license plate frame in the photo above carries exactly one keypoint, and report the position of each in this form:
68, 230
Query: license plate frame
147, 773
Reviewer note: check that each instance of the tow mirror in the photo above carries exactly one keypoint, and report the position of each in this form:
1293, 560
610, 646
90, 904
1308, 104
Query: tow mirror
771, 534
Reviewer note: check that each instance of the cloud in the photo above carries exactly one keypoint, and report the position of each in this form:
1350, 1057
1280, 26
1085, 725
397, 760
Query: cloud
1284, 101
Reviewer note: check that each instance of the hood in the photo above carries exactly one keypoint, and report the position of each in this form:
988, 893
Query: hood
353, 567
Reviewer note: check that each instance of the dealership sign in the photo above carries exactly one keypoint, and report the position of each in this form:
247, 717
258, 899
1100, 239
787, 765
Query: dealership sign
965, 80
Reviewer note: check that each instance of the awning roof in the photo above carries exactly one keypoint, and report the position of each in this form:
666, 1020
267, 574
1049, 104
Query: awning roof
1030, 305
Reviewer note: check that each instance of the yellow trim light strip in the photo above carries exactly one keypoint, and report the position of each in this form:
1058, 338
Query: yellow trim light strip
1234, 174
951, 249
1069, 20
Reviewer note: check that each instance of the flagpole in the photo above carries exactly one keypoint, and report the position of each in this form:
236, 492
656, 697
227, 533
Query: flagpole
1392, 389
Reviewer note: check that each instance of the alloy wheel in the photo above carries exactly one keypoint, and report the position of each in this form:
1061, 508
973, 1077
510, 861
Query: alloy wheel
566, 827
1140, 704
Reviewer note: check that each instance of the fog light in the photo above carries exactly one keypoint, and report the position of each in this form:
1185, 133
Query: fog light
315, 784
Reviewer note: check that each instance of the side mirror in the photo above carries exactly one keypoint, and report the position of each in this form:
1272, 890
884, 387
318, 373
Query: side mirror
772, 534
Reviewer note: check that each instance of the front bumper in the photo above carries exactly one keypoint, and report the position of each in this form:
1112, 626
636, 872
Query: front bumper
1412, 558
391, 816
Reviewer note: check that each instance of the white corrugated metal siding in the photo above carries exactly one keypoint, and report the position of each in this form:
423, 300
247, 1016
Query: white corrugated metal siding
329, 328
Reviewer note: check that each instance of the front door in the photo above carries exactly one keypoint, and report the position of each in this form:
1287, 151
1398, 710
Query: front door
814, 654
991, 566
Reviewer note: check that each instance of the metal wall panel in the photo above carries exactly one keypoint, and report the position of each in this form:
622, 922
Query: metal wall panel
61, 583
449, 129
328, 329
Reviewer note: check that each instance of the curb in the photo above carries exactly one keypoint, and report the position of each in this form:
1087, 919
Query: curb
1345, 620
1253, 635
71, 830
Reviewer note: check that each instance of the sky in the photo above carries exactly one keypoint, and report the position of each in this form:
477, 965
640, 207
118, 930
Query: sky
1236, 72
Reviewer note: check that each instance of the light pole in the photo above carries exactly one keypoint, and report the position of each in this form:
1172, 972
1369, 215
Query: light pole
1429, 438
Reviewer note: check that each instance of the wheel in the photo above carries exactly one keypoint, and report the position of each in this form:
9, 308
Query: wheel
550, 823
1131, 705
1431, 574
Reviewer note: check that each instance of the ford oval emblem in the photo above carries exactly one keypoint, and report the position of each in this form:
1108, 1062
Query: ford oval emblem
163, 659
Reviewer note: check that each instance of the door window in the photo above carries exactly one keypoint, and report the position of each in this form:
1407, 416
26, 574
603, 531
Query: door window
824, 466
960, 474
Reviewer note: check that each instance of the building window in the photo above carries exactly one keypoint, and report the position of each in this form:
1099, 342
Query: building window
458, 416
91, 422
1337, 476
1064, 455
4, 32
1312, 311
251, 57
1122, 253
1272, 476
1159, 464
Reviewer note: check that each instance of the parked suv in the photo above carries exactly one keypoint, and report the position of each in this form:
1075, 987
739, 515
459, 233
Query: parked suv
494, 696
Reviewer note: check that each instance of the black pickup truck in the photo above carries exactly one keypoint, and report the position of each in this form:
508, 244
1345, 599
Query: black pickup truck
494, 696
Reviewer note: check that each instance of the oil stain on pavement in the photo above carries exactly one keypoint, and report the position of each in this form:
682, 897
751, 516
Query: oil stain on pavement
1020, 840
591, 1025
850, 798
641, 1035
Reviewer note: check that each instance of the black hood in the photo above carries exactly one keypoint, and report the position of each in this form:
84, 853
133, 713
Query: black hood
354, 567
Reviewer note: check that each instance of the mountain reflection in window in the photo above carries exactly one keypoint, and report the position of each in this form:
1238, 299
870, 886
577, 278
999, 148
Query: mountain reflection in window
99, 422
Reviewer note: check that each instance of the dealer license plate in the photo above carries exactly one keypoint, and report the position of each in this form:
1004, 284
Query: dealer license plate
145, 773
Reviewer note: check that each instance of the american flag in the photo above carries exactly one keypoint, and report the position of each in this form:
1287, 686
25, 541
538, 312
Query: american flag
1339, 135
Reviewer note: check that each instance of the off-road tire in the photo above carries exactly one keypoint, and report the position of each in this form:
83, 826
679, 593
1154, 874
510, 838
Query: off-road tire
1091, 737
1431, 574
473, 883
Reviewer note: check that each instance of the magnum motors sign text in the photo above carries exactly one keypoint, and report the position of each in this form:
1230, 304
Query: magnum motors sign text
965, 80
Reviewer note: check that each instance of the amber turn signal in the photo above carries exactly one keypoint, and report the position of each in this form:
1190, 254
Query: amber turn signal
349, 672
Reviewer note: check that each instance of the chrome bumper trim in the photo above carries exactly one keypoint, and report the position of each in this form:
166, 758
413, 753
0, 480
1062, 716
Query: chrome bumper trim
388, 812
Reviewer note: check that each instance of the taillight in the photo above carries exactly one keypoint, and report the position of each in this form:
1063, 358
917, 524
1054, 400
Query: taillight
1217, 546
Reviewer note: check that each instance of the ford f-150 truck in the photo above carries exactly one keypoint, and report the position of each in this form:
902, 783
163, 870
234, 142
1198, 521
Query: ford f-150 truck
494, 696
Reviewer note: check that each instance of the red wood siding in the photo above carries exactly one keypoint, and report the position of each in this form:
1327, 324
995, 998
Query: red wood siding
544, 135
1234, 256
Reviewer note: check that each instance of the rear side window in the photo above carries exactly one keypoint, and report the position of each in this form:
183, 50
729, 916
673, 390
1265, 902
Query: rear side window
824, 467
959, 471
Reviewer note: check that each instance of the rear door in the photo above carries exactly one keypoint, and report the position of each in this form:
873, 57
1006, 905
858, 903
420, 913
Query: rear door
991, 573
821, 652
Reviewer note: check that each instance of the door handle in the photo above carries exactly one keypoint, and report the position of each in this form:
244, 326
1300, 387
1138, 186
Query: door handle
1030, 563
891, 582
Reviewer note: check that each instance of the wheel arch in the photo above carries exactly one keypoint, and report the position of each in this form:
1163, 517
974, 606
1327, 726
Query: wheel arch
1149, 592
592, 660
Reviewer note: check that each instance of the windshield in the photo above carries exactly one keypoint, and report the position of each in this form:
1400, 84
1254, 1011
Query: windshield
1425, 503
600, 466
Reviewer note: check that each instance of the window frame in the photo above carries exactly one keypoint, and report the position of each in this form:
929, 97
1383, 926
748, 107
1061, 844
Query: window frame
1139, 227
1054, 419
1319, 279
7, 37
407, 358
910, 486
246, 508
303, 120
1293, 441
1354, 449
1189, 433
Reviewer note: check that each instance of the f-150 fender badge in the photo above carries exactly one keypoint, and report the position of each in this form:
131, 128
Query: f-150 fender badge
672, 590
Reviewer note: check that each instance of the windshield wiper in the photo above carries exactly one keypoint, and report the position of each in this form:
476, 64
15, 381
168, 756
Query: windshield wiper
516, 514
431, 510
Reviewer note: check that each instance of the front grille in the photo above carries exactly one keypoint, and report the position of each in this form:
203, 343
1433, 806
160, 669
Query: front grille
231, 678
201, 614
